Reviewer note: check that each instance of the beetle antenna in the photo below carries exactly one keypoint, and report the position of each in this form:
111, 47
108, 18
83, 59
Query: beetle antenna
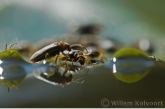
78, 60
12, 45
80, 81
86, 49
6, 47
78, 45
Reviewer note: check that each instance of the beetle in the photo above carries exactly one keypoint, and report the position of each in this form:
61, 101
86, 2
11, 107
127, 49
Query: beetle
53, 49
78, 57
72, 56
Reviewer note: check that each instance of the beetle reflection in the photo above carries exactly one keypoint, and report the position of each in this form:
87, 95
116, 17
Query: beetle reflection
56, 77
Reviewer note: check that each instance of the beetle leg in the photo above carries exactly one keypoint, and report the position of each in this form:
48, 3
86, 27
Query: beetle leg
75, 80
105, 58
64, 53
72, 62
46, 55
65, 71
56, 58
88, 62
68, 78
82, 78
102, 56
62, 58
65, 62
78, 60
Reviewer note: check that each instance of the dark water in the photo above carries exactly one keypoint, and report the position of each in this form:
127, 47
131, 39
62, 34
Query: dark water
100, 83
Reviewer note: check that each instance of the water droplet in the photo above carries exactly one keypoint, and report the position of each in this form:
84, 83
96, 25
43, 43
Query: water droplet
130, 69
14, 70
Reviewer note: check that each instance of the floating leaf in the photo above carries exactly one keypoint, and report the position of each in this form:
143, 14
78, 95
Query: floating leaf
11, 76
13, 68
11, 53
12, 83
126, 52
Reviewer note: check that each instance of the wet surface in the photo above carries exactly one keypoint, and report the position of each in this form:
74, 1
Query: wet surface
41, 94
14, 70
35, 93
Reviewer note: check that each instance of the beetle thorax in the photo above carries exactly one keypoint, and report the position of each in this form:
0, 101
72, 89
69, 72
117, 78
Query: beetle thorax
64, 46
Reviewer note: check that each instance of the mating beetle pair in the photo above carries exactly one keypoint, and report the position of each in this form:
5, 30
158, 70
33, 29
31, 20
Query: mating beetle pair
53, 50
56, 48
73, 54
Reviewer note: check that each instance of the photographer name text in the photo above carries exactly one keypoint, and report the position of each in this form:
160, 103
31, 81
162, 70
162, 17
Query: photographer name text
136, 103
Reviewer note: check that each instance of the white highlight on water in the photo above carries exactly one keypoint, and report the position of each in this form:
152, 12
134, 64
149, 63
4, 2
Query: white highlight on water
1, 62
114, 68
1, 70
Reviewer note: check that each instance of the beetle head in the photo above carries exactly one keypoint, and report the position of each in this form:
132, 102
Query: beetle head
67, 47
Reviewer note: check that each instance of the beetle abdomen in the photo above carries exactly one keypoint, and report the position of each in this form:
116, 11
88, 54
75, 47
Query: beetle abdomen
47, 51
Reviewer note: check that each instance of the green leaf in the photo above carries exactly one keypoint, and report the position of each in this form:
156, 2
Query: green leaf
12, 83
125, 52
10, 53
132, 77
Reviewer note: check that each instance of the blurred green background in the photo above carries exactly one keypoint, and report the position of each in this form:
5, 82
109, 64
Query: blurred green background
124, 20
